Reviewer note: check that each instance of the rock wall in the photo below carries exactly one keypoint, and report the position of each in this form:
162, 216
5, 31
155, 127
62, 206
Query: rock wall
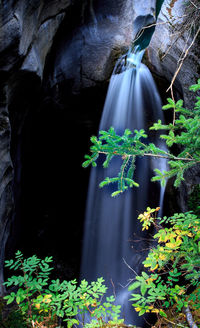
27, 29
174, 33
173, 43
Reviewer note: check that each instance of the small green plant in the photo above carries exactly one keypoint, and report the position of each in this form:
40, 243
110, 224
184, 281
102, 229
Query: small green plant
172, 276
42, 301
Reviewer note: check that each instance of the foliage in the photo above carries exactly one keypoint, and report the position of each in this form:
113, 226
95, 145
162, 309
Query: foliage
42, 300
172, 277
184, 132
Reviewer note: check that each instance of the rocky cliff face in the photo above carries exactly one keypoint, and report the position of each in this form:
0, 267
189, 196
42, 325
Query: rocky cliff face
175, 42
56, 58
172, 44
27, 29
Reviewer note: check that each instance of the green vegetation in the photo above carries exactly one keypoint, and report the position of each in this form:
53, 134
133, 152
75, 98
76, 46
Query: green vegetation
184, 132
169, 286
42, 302
172, 279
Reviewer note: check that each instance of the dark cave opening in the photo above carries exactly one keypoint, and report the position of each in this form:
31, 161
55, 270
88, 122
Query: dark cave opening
49, 140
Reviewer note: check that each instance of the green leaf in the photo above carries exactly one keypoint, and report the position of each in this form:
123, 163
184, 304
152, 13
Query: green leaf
142, 312
135, 297
116, 193
143, 289
163, 314
135, 285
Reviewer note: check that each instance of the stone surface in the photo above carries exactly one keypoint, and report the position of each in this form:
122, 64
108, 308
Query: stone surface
169, 43
27, 29
26, 25
87, 55
6, 178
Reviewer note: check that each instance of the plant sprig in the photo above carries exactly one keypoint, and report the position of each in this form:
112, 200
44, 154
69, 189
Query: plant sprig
184, 132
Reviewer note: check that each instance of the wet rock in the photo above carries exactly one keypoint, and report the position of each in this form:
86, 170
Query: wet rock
6, 178
87, 56
169, 44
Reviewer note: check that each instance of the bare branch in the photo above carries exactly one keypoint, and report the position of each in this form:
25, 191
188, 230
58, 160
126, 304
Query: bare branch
181, 60
194, 5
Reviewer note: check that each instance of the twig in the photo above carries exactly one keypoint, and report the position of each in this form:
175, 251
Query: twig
155, 155
154, 24
146, 27
194, 5
176, 324
181, 61
170, 157
113, 287
130, 267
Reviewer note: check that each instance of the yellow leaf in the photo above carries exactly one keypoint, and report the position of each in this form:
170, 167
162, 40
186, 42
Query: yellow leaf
37, 306
182, 291
137, 309
152, 269
87, 304
48, 300
162, 257
155, 311
150, 307
149, 280
171, 245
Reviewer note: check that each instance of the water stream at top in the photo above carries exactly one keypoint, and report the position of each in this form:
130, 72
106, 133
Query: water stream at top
112, 245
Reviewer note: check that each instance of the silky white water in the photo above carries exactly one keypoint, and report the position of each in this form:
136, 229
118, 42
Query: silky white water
113, 246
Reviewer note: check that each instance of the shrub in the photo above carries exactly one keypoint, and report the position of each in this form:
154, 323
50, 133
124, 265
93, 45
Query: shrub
44, 301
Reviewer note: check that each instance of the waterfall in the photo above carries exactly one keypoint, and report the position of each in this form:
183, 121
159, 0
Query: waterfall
110, 247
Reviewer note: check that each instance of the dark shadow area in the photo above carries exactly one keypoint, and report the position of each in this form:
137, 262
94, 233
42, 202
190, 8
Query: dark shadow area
49, 140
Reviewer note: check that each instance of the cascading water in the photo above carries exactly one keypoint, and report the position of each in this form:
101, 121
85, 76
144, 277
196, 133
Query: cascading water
111, 230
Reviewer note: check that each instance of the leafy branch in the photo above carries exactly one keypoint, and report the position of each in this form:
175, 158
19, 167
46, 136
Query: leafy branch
171, 279
183, 132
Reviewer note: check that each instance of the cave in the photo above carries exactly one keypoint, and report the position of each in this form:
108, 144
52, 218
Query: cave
48, 145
